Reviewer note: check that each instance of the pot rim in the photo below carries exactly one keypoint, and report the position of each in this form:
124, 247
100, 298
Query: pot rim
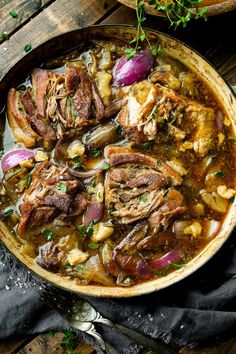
149, 286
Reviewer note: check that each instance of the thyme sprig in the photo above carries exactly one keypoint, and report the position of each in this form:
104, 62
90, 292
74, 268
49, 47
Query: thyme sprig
177, 12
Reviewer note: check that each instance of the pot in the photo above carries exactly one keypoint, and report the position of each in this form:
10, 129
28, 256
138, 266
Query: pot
67, 41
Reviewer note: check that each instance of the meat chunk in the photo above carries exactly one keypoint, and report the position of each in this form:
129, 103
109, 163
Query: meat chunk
40, 82
49, 257
19, 120
45, 198
156, 112
127, 256
135, 189
173, 205
85, 101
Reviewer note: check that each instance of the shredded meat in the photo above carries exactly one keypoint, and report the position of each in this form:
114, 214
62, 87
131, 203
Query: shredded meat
136, 188
49, 257
44, 199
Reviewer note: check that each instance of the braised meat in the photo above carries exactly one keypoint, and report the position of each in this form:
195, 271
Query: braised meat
135, 185
51, 192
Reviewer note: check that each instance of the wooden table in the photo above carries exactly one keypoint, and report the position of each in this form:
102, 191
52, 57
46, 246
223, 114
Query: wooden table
39, 20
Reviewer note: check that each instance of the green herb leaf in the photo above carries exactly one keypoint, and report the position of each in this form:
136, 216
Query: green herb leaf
111, 210
13, 14
143, 198
7, 212
77, 163
69, 340
48, 235
128, 281
93, 245
89, 230
63, 187
219, 174
158, 163
70, 101
68, 266
147, 145
52, 333
4, 36
27, 48
231, 200
232, 138
177, 265
80, 268
95, 153
105, 166
1, 152
29, 180
81, 229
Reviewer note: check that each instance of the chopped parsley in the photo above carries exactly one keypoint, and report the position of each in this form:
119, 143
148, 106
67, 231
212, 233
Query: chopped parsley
88, 231
232, 138
143, 198
4, 36
69, 340
28, 181
1, 152
95, 153
80, 268
68, 266
48, 235
93, 245
111, 211
70, 101
128, 281
147, 145
105, 166
154, 113
231, 200
63, 187
7, 212
27, 48
77, 163
177, 265
158, 163
13, 14
219, 174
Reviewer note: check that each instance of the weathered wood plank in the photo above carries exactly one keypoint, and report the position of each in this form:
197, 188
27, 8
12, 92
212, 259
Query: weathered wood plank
10, 345
48, 344
24, 9
59, 17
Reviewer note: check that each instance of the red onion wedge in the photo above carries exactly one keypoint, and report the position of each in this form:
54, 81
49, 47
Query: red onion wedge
212, 227
129, 71
14, 157
93, 212
173, 256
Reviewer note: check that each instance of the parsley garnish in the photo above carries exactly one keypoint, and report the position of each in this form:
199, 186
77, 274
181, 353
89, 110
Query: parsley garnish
63, 187
27, 48
7, 212
93, 245
1, 152
231, 200
4, 36
48, 235
68, 266
232, 138
177, 265
29, 180
219, 174
143, 198
13, 14
80, 268
95, 153
88, 231
111, 211
77, 163
158, 163
69, 340
147, 145
105, 166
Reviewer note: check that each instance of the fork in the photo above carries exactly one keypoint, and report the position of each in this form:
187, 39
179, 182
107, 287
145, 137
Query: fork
81, 315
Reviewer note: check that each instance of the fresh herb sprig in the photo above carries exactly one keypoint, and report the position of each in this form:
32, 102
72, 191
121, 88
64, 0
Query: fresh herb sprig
177, 12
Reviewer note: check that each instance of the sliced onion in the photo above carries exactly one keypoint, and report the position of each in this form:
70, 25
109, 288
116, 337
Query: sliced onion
212, 227
83, 174
126, 72
173, 256
14, 157
93, 212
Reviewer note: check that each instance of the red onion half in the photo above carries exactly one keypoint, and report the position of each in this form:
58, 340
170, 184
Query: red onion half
173, 256
129, 71
93, 212
14, 157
